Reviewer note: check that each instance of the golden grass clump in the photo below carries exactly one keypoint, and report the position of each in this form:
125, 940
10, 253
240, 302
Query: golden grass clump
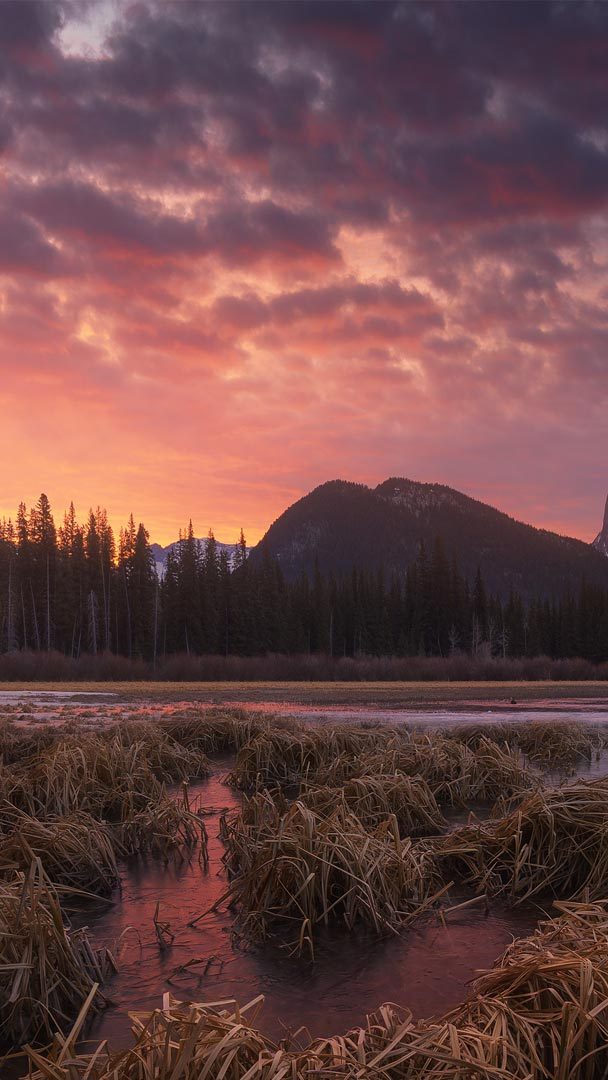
554, 842
75, 851
287, 756
164, 828
102, 776
298, 869
376, 797
18, 745
167, 756
46, 969
455, 772
547, 743
540, 1014
214, 731
180, 1041
111, 775
15, 789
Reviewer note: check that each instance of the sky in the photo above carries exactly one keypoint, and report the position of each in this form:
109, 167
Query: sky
247, 248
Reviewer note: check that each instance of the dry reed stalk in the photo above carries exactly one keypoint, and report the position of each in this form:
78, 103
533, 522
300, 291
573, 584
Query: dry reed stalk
75, 851
554, 842
46, 969
454, 772
164, 828
111, 775
376, 797
17, 745
214, 731
555, 743
290, 756
300, 869
15, 790
168, 758
164, 934
110, 781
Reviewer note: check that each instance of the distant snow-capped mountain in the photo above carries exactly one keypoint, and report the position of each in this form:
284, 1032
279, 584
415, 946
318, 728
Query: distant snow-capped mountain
160, 553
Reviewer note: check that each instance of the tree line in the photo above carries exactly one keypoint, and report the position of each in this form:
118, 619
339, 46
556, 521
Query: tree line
77, 590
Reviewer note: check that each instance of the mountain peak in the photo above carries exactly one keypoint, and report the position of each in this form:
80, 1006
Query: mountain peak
601, 540
341, 526
418, 497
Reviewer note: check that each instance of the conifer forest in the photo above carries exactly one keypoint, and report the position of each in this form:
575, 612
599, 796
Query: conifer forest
79, 590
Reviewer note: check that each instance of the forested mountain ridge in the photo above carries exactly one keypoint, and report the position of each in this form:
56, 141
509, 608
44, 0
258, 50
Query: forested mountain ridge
75, 590
341, 525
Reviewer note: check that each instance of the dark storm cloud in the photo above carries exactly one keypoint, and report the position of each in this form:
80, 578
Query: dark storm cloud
244, 233
25, 250
29, 25
350, 98
87, 213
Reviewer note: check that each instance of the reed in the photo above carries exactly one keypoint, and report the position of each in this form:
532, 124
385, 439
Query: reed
294, 755
298, 869
75, 851
100, 776
166, 755
46, 969
17, 745
15, 790
549, 744
214, 731
554, 842
165, 828
374, 798
455, 772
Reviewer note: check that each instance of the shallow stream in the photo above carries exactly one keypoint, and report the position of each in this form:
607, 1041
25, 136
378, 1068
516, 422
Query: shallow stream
426, 969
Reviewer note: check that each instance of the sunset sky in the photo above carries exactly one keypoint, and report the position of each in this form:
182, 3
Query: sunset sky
247, 248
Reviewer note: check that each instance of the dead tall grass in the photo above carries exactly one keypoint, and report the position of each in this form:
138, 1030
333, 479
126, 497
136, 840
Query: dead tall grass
554, 842
169, 758
374, 798
298, 869
214, 731
75, 851
106, 779
18, 745
165, 828
294, 755
455, 772
46, 969
548, 743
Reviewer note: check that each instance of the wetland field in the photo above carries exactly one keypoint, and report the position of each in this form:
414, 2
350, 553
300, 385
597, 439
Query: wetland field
268, 881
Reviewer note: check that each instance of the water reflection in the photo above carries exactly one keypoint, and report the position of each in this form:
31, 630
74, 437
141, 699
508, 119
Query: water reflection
426, 969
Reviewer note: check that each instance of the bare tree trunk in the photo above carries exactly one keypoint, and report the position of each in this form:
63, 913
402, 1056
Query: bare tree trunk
155, 623
24, 620
10, 618
93, 622
124, 578
35, 616
48, 605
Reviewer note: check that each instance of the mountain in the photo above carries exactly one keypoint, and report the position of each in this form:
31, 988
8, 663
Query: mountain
160, 553
344, 525
601, 541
